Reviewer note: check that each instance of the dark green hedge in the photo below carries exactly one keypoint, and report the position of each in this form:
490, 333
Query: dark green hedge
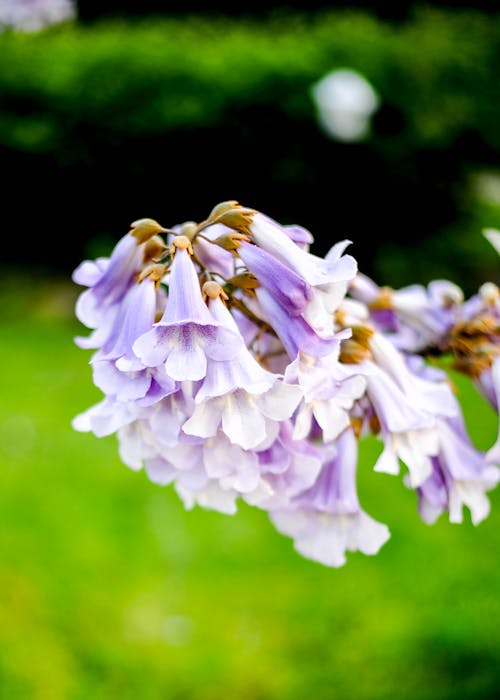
105, 123
439, 71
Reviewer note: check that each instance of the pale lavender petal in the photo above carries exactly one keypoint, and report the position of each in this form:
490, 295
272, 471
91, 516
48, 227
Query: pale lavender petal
215, 258
125, 261
222, 345
205, 419
280, 401
105, 417
185, 302
392, 407
212, 497
289, 288
187, 362
236, 468
167, 418
135, 317
133, 448
270, 236
152, 347
242, 421
299, 235
159, 471
101, 334
294, 332
125, 386
89, 272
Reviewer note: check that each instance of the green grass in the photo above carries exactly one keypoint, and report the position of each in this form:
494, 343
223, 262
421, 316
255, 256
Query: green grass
110, 589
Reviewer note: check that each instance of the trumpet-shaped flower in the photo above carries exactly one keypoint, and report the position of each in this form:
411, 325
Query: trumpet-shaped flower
330, 390
460, 476
108, 282
326, 520
187, 333
239, 395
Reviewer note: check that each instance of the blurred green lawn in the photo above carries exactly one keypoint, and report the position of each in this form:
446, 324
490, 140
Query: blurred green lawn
110, 589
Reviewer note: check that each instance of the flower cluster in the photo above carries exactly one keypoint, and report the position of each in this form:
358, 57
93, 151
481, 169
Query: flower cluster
237, 365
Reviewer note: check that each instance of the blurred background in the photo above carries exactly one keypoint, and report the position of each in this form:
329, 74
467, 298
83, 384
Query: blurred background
364, 120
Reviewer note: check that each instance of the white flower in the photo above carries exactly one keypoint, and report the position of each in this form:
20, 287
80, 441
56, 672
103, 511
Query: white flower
346, 102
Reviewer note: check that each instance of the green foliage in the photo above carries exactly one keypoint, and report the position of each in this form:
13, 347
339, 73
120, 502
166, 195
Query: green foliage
151, 106
438, 70
110, 589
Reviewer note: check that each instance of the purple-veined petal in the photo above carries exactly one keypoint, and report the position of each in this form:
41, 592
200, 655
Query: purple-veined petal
290, 290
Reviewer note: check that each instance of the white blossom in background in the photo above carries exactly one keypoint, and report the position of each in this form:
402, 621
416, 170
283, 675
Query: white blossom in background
32, 15
346, 102
237, 366
493, 237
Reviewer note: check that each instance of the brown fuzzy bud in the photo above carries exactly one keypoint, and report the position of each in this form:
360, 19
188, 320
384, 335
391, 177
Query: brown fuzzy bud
181, 243
188, 229
144, 229
222, 208
154, 249
239, 219
212, 290
245, 281
155, 272
231, 241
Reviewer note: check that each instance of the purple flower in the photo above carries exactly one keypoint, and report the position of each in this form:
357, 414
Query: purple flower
294, 332
413, 317
288, 467
106, 417
211, 496
233, 467
110, 286
239, 395
290, 290
460, 476
326, 520
324, 282
270, 236
136, 315
187, 333
407, 407
493, 454
146, 386
330, 389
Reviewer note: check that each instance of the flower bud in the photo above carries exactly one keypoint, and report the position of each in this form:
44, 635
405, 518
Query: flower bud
181, 243
188, 229
231, 214
245, 281
238, 219
154, 249
144, 229
155, 272
212, 290
222, 208
231, 241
